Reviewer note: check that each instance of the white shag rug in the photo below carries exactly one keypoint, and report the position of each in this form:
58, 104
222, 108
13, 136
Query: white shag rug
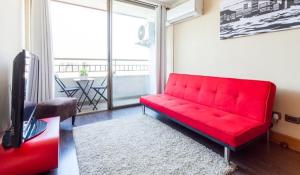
142, 145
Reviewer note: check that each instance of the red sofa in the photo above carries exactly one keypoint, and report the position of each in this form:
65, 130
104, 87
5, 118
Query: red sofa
231, 112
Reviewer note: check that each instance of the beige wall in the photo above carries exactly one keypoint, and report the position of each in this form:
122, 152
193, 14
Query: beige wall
10, 45
273, 56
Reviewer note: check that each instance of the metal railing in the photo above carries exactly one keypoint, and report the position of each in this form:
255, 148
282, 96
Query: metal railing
66, 65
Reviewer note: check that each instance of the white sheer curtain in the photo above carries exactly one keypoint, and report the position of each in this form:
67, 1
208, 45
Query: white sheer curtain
32, 84
41, 45
161, 17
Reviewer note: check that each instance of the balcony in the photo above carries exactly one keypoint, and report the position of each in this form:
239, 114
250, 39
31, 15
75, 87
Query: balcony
131, 79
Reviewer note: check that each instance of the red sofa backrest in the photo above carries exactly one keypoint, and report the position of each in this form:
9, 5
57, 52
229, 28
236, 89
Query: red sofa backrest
249, 98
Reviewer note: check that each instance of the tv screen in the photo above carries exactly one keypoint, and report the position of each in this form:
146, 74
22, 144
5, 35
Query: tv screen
24, 96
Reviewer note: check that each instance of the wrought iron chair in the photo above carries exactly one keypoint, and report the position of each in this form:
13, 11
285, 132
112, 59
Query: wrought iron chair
100, 90
69, 91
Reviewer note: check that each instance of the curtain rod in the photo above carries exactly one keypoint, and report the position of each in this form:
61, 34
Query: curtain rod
139, 3
94, 8
134, 2
84, 6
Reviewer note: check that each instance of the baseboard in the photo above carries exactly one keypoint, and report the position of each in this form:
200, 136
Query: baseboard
293, 143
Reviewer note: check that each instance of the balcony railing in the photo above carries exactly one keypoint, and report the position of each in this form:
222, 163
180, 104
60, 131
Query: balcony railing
131, 91
71, 65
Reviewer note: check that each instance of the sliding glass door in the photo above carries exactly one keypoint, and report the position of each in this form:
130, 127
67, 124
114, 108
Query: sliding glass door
133, 50
79, 30
105, 49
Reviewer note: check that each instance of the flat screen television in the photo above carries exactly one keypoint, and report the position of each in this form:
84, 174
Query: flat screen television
24, 101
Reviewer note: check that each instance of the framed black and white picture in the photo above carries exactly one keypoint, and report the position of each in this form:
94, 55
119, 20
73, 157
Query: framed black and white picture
249, 17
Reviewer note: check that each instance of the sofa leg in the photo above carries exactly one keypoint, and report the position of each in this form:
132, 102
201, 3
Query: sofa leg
144, 109
73, 120
268, 140
268, 136
227, 154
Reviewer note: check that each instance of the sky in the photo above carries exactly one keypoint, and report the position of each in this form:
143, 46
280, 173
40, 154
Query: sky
82, 33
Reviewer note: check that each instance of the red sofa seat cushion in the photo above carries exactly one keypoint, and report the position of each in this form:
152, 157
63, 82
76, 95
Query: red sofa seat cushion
229, 128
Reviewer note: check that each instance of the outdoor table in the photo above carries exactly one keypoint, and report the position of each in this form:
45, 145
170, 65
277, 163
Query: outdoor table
85, 86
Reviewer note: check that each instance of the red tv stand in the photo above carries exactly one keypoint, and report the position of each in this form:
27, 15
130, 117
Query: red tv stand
38, 155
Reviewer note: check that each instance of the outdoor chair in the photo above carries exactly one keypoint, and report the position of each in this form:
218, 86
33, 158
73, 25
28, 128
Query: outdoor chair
100, 90
69, 91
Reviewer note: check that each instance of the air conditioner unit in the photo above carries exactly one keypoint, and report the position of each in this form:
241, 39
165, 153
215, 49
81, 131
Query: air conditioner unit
185, 11
146, 34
